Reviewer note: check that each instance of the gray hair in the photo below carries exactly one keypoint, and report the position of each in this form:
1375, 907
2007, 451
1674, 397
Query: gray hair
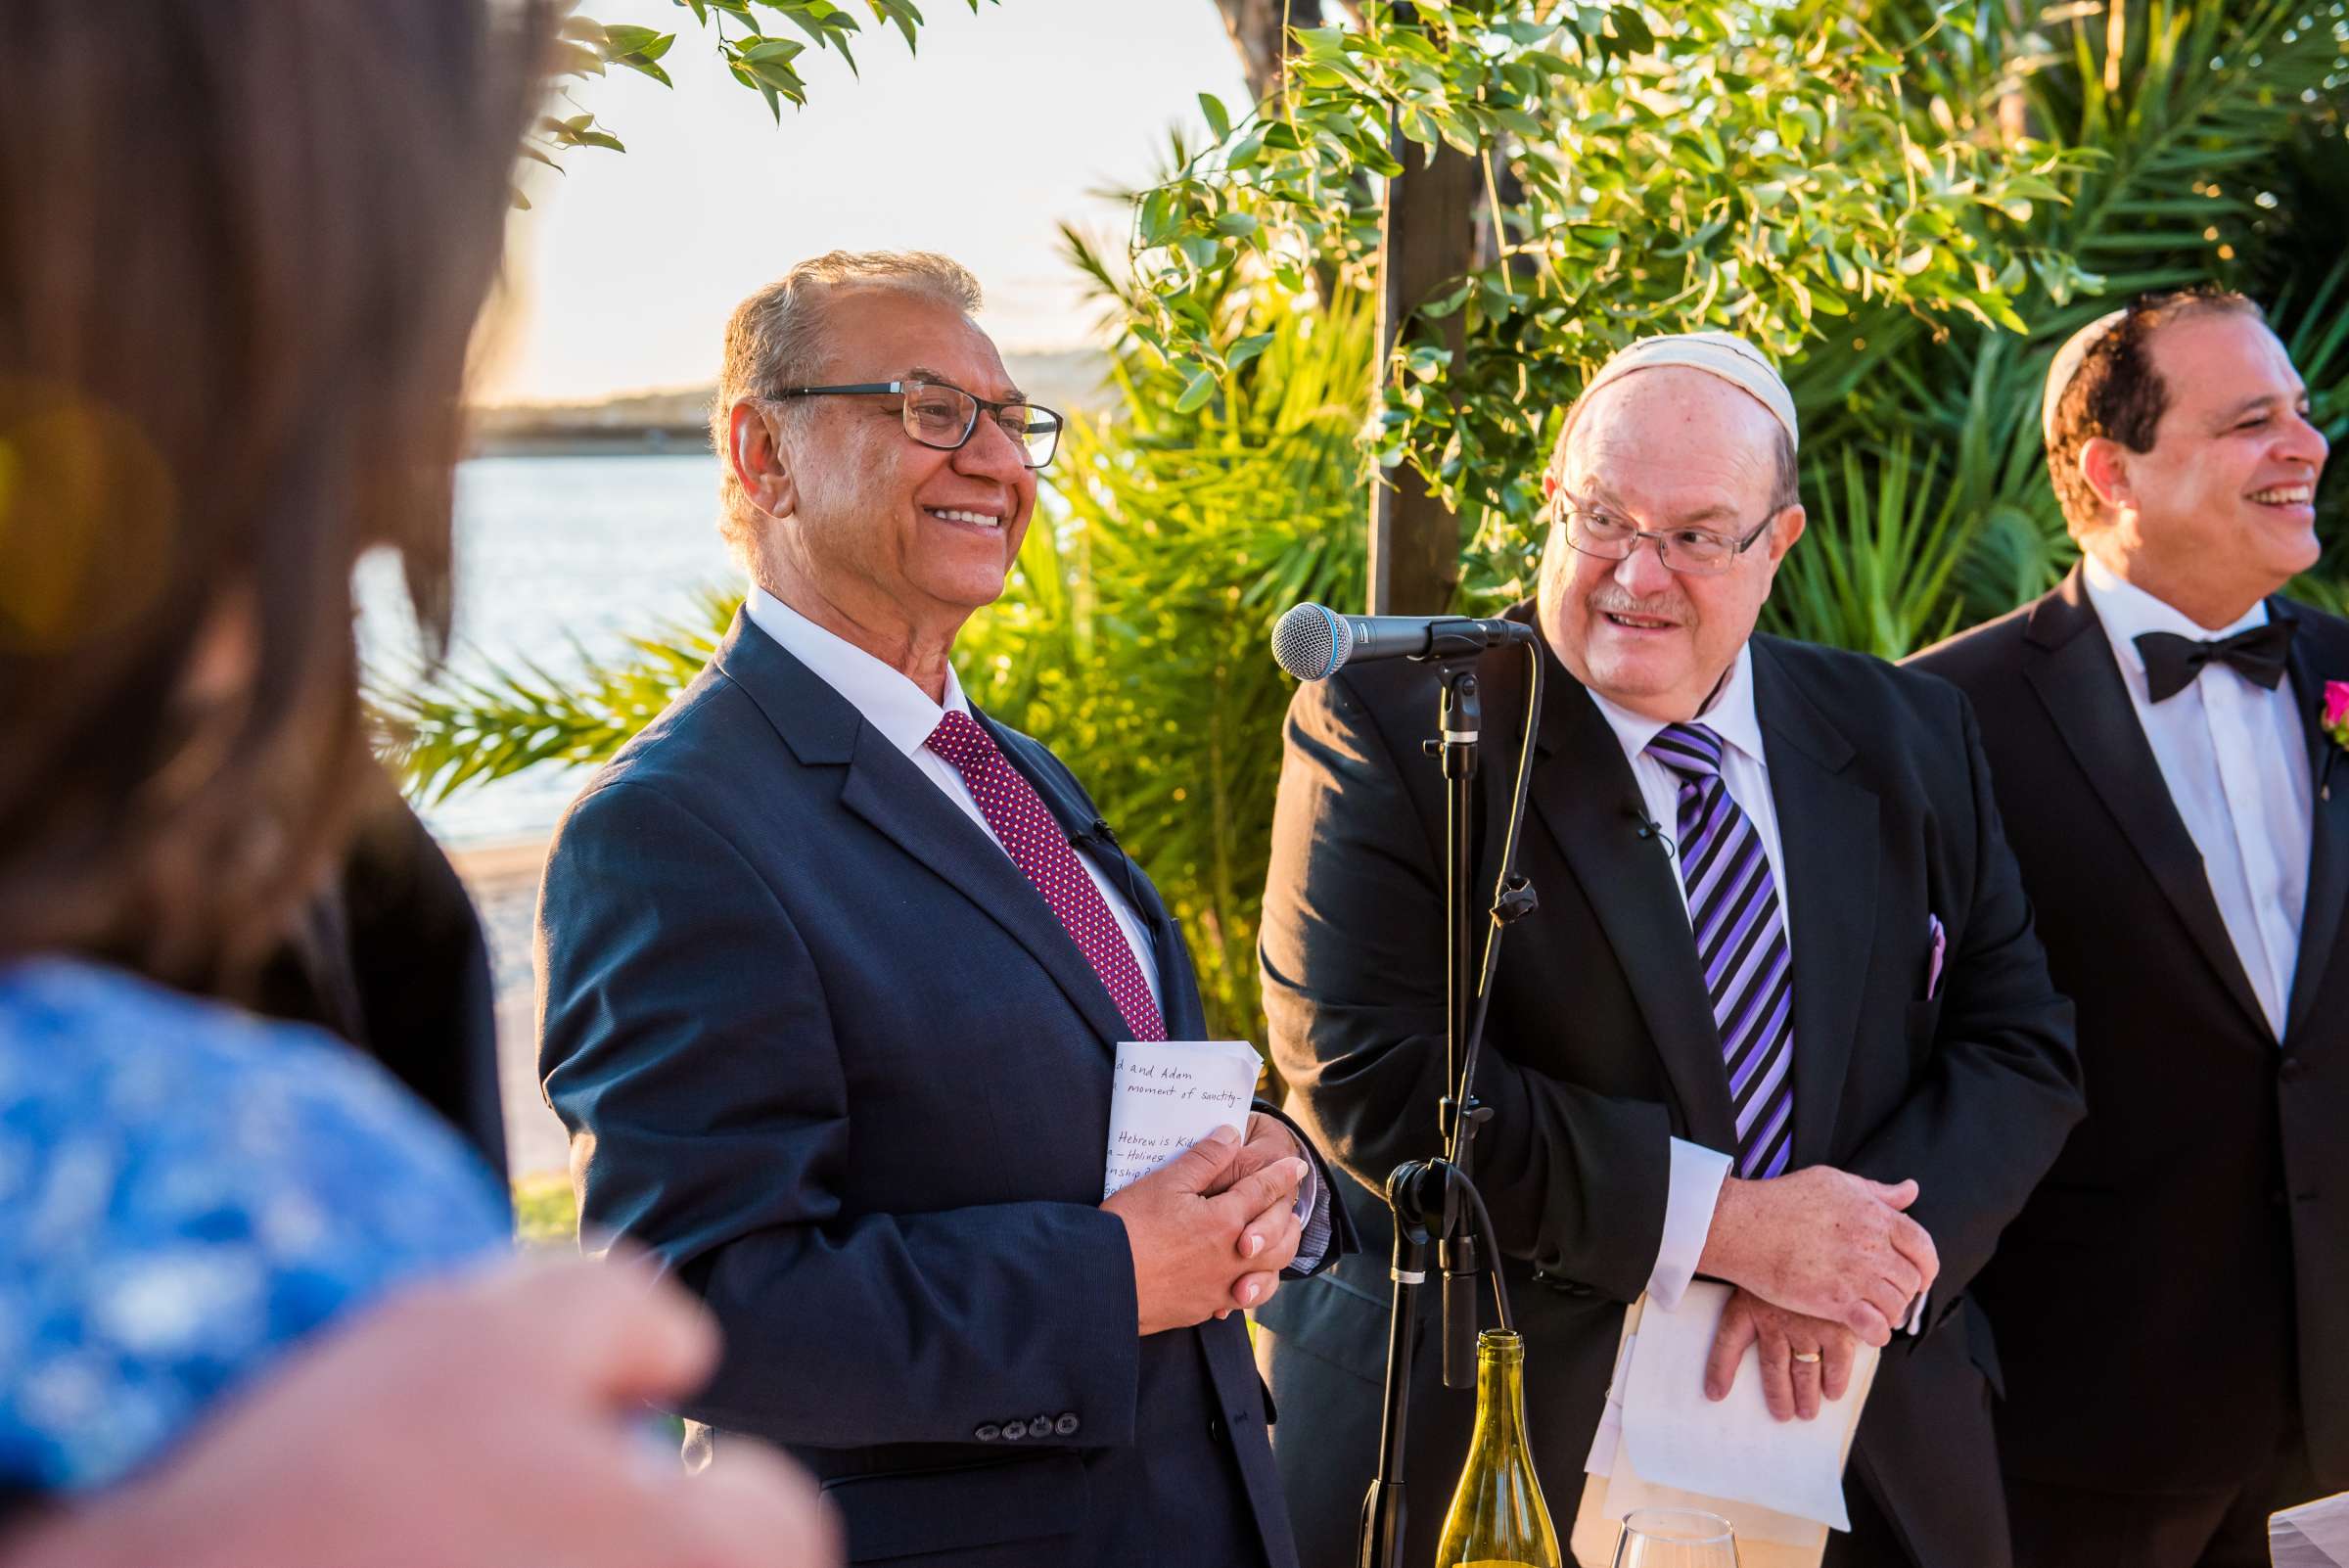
776, 339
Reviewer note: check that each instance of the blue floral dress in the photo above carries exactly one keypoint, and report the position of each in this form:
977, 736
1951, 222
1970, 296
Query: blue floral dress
185, 1191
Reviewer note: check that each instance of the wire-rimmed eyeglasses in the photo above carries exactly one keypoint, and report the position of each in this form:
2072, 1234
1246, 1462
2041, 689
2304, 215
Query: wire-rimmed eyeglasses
938, 415
1700, 552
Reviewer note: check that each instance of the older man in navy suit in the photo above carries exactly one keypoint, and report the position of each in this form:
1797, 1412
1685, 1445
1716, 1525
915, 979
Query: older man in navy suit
834, 970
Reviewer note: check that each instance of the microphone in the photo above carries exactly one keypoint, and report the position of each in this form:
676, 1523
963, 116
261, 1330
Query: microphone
1313, 642
1649, 828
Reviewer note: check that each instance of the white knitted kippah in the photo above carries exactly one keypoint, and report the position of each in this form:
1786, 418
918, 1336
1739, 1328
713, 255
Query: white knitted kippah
2066, 364
1716, 353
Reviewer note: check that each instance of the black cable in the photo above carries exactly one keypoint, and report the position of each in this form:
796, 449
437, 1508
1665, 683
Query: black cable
1508, 871
1500, 1290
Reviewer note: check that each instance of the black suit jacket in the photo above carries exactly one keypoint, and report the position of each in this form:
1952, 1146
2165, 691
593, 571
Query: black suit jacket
825, 1051
1601, 1044
392, 957
2175, 1295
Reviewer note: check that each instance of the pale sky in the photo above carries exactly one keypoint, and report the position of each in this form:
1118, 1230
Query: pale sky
1001, 127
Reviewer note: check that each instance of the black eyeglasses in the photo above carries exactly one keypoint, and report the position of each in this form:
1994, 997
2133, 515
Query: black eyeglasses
943, 416
1698, 551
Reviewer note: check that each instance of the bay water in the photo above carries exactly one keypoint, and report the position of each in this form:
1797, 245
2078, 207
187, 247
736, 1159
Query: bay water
557, 558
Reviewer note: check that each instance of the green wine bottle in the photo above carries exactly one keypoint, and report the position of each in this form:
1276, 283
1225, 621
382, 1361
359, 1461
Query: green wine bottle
1497, 1518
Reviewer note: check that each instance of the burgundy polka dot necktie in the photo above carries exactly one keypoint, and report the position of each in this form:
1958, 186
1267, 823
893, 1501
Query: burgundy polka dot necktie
1040, 848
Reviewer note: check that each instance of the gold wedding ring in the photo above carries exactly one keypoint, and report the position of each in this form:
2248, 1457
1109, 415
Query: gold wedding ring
1806, 1356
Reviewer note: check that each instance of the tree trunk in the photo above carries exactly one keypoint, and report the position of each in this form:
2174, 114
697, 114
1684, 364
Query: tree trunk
1429, 240
1254, 29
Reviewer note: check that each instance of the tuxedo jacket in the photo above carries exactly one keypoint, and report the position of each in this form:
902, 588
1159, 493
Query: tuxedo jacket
1601, 1046
827, 1053
2176, 1295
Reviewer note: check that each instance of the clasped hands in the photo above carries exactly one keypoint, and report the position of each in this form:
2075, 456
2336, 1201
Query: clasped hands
1823, 1260
1212, 1231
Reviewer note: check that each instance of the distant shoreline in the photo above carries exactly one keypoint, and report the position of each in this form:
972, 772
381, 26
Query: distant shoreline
654, 442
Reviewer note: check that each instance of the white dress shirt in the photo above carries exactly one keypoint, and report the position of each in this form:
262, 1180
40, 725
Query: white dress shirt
1696, 1170
905, 716
2235, 758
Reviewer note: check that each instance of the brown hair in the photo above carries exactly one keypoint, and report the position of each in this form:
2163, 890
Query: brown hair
243, 244
2116, 392
775, 338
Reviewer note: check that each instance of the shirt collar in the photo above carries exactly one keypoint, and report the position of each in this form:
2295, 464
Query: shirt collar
1730, 716
2128, 612
887, 700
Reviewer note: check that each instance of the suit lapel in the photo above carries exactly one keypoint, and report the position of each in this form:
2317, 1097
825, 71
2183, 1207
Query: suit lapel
882, 786
2072, 670
1828, 837
1584, 793
2329, 842
1184, 1014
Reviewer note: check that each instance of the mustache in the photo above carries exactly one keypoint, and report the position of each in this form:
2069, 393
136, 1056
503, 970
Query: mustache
1612, 600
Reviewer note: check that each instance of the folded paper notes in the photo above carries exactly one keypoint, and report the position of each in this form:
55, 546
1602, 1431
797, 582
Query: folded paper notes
1663, 1445
1168, 1095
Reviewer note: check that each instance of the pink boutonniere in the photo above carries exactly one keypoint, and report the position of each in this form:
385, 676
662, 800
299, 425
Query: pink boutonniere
2335, 724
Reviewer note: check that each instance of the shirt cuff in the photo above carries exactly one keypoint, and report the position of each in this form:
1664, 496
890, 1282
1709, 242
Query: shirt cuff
1693, 1188
1313, 1213
1915, 1323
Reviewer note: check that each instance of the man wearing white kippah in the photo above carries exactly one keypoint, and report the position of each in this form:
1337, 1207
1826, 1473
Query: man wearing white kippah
1779, 1021
2171, 1304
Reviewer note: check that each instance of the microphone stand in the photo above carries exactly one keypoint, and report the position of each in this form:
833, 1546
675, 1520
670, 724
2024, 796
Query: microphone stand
1435, 1200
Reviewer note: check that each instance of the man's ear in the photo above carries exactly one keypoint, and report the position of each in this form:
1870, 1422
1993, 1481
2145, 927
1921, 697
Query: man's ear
2104, 465
761, 464
1786, 528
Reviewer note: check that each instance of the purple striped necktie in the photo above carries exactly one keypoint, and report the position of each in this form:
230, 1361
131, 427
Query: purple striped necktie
1040, 846
1740, 946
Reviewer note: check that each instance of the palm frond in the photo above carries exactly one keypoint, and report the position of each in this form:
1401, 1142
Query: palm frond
1875, 569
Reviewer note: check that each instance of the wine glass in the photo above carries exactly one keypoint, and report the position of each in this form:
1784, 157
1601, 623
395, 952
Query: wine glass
1676, 1537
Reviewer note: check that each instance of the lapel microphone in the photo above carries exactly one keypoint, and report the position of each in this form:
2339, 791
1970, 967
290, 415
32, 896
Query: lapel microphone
1095, 835
1648, 829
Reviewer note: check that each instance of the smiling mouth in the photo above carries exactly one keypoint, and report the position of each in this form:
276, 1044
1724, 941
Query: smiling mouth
984, 519
2286, 495
1631, 622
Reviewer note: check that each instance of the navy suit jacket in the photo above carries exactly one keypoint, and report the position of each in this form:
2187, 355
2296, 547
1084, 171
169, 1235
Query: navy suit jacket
825, 1051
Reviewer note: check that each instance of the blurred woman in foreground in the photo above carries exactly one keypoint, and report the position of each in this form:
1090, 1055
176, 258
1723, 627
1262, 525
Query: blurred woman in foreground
255, 1300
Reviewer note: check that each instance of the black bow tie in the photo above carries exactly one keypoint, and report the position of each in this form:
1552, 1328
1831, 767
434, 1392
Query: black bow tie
2173, 661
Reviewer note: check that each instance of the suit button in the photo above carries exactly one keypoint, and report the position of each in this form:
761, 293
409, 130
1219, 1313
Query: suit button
990, 1433
1039, 1427
2294, 1070
1214, 1428
1013, 1431
1066, 1427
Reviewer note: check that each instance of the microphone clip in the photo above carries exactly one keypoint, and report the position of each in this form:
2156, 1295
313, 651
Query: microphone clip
1648, 829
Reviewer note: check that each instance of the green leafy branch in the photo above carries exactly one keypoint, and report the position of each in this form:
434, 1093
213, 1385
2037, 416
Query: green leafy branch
1671, 166
744, 39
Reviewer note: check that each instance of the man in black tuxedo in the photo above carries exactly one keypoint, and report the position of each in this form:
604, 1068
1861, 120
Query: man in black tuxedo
835, 968
2171, 1304
1779, 1020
